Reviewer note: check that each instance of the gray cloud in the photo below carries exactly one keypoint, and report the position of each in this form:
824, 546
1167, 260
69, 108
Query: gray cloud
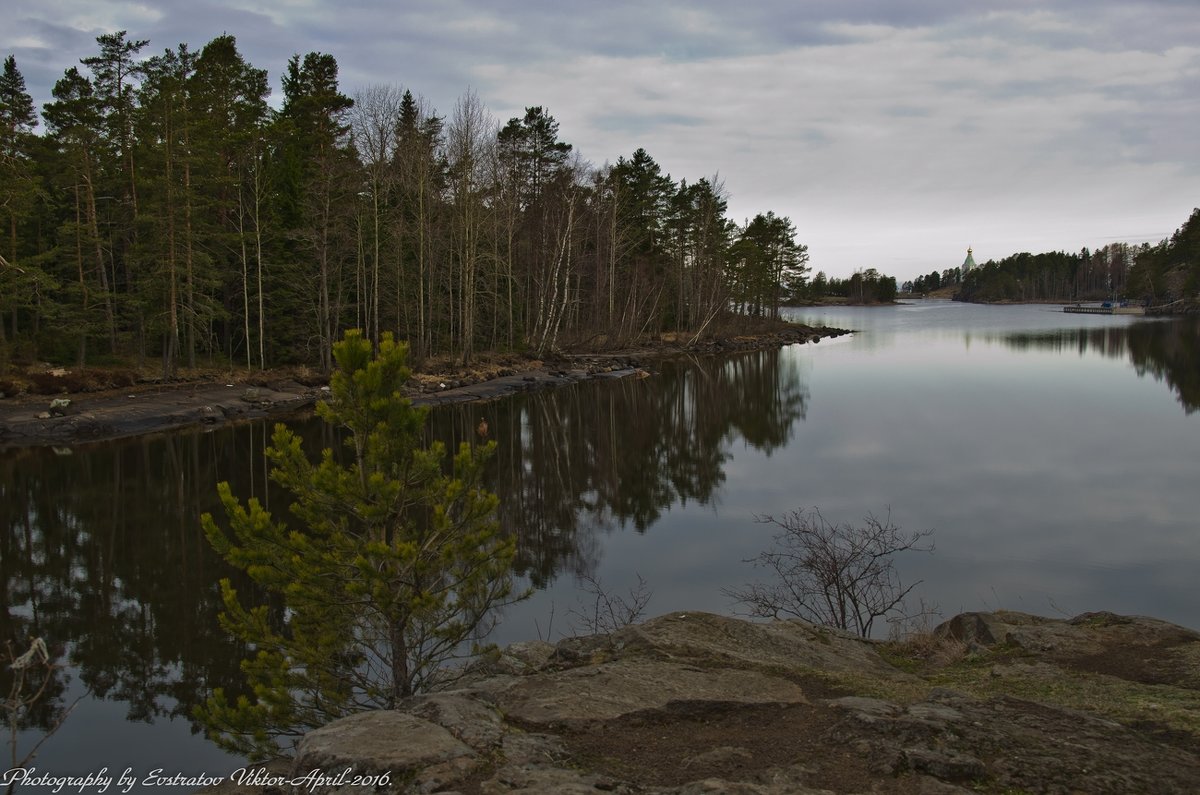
894, 134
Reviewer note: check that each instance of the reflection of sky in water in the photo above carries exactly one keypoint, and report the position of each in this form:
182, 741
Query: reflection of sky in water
1054, 476
97, 736
1055, 479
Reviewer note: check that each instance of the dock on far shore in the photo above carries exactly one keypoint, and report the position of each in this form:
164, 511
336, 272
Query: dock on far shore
1110, 309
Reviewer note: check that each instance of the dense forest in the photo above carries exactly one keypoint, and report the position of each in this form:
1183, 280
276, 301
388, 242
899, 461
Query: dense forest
166, 212
862, 287
934, 280
1148, 273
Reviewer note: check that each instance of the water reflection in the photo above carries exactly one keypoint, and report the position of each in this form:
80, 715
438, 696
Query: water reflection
1169, 350
577, 462
102, 551
104, 558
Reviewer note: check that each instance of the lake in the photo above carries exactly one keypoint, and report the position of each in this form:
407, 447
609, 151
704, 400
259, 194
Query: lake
1055, 457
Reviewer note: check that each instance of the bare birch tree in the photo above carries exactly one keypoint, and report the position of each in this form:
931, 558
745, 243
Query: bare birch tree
374, 119
469, 138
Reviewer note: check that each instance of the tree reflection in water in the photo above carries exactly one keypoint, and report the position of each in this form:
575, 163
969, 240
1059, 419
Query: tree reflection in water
1169, 350
103, 556
580, 461
102, 552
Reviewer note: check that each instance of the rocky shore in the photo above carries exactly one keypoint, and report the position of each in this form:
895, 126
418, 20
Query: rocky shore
75, 418
689, 703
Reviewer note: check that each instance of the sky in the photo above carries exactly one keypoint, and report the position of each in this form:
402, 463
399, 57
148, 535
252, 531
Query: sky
893, 134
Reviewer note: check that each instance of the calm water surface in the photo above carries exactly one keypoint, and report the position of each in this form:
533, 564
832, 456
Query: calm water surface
1055, 456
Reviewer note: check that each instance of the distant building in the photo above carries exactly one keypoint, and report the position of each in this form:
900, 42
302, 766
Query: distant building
968, 263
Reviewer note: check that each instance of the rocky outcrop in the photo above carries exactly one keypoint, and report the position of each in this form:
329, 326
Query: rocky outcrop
698, 703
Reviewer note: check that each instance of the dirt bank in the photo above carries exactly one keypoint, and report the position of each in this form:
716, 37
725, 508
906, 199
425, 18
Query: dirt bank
64, 414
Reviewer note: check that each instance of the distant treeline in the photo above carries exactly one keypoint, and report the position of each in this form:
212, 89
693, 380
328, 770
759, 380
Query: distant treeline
862, 287
1155, 273
933, 281
167, 211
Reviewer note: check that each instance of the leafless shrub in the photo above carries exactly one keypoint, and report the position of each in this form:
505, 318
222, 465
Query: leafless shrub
602, 611
838, 575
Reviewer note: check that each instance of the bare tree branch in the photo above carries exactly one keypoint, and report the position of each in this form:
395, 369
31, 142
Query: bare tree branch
608, 611
838, 575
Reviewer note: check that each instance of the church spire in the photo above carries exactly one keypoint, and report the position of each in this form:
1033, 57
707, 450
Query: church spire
968, 263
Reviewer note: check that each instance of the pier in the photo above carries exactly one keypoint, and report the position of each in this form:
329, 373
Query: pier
1105, 310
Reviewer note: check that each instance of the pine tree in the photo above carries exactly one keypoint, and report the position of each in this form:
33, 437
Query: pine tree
18, 185
316, 190
166, 259
17, 120
536, 173
228, 99
74, 121
392, 570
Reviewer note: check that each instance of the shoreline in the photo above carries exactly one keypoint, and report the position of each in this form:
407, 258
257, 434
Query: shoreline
90, 417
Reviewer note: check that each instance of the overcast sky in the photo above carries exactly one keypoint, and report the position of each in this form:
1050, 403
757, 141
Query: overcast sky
894, 134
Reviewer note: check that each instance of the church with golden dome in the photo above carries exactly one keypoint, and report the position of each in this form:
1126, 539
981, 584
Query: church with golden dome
968, 263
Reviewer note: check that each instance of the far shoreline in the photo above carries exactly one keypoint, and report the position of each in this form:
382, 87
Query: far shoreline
215, 399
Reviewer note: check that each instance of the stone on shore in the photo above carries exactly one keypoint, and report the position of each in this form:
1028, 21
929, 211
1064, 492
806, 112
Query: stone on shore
699, 703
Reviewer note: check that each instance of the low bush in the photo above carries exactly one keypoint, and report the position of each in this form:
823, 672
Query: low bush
52, 384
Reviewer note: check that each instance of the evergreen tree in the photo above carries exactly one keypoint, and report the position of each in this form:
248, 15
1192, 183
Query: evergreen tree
641, 196
114, 72
392, 570
645, 195
18, 190
229, 103
700, 246
169, 262
74, 120
17, 120
768, 261
315, 196
537, 185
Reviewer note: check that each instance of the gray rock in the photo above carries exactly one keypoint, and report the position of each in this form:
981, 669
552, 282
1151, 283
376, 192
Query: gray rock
550, 781
868, 710
793, 646
383, 742
475, 723
607, 691
973, 629
523, 658
783, 782
944, 765
703, 693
